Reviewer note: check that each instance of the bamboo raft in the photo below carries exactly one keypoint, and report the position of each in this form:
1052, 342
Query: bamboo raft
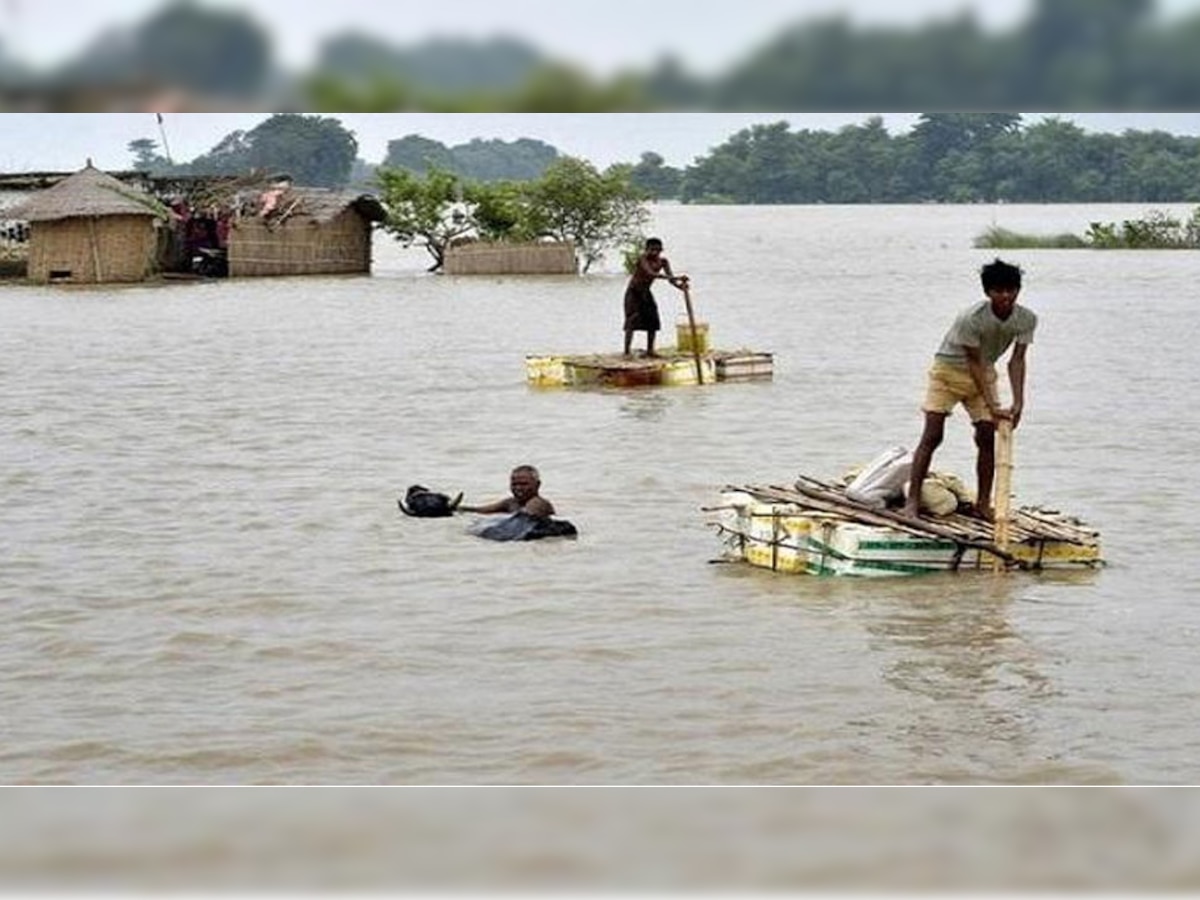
669, 368
691, 361
812, 527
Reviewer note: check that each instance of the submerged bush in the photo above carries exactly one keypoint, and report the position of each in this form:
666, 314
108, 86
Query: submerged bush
997, 238
1156, 231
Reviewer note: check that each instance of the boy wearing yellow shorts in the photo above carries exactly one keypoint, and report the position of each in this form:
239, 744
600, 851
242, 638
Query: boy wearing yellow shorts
963, 371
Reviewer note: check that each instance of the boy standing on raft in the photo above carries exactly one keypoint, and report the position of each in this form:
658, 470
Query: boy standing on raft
963, 371
641, 310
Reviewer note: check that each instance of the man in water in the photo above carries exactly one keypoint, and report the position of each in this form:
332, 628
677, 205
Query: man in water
524, 482
963, 371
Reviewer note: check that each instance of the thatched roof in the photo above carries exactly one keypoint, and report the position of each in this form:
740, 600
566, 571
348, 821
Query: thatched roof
323, 204
89, 192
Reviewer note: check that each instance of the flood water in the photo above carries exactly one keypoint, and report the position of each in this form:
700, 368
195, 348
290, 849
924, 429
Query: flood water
204, 577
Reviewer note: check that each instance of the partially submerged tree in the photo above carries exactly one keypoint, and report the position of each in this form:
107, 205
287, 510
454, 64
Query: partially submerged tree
500, 210
426, 212
571, 202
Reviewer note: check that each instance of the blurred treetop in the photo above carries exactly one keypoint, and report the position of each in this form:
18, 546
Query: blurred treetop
1068, 55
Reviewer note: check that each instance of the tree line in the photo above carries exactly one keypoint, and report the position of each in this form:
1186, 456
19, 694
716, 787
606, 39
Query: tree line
945, 157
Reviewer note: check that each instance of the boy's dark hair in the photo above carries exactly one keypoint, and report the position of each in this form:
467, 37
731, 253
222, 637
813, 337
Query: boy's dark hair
653, 242
999, 274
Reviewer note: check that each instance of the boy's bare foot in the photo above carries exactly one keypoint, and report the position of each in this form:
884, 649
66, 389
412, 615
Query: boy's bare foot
909, 512
981, 512
650, 354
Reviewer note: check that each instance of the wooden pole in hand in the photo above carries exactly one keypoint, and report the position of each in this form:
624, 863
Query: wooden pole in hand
1004, 469
687, 299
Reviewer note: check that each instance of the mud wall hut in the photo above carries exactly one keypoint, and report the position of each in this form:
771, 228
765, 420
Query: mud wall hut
90, 228
304, 231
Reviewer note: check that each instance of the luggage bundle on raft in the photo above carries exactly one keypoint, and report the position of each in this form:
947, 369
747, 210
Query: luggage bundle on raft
812, 527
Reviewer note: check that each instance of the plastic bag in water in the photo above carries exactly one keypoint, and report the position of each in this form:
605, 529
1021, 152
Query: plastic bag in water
524, 527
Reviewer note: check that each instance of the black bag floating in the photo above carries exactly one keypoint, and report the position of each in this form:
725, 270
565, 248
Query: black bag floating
423, 503
524, 527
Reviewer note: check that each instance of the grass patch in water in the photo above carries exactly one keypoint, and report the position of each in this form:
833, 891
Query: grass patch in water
1155, 231
997, 238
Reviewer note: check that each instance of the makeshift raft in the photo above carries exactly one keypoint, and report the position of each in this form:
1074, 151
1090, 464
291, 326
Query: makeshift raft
813, 528
678, 365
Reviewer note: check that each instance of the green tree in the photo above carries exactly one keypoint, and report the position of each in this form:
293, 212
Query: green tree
479, 160
656, 179
209, 50
228, 156
496, 160
559, 88
500, 210
944, 142
212, 52
570, 202
314, 150
670, 86
438, 65
760, 164
1053, 157
418, 154
1081, 53
145, 155
574, 202
869, 163
426, 211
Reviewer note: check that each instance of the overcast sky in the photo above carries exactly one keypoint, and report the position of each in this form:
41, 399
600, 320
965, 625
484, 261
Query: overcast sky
604, 36
64, 142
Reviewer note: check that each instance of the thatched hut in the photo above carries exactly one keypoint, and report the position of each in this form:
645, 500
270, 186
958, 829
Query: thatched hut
304, 231
90, 228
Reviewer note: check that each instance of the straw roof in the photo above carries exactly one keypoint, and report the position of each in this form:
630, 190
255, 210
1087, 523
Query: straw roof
324, 205
89, 192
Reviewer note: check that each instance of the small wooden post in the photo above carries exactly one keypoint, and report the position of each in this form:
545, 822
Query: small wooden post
687, 299
1004, 469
